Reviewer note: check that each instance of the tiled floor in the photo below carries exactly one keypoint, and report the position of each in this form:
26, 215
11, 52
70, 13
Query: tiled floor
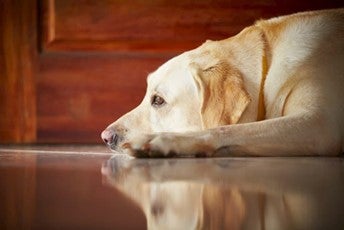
80, 187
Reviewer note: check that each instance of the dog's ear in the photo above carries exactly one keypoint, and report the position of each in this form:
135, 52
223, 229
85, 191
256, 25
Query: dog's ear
222, 91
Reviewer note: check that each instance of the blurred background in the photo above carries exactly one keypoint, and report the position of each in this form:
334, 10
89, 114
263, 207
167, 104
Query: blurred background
68, 68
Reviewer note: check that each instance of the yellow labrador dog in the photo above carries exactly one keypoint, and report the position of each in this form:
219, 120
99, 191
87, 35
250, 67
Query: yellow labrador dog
276, 88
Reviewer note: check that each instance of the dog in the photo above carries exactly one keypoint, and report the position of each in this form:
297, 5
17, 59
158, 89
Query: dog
274, 89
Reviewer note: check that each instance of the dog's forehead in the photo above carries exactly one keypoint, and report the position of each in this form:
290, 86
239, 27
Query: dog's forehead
173, 69
178, 65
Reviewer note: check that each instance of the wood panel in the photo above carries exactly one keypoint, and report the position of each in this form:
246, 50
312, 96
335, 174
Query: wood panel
154, 26
80, 94
140, 25
18, 52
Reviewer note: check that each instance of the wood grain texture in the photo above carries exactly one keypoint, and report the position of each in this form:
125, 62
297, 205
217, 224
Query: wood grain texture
18, 52
80, 94
154, 26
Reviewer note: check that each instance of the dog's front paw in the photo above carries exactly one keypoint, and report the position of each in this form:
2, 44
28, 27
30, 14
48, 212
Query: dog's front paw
163, 145
156, 145
169, 145
138, 146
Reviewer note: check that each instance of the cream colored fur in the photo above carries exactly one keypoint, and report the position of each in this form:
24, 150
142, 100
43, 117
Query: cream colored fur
276, 88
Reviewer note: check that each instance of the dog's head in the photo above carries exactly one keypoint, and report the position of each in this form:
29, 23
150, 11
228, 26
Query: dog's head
199, 89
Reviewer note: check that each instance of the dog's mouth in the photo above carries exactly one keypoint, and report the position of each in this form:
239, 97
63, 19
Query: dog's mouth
117, 146
113, 145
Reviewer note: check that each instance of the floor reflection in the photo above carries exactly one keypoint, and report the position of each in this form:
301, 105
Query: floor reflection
239, 193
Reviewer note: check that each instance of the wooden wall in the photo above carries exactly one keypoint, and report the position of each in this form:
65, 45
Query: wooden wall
94, 56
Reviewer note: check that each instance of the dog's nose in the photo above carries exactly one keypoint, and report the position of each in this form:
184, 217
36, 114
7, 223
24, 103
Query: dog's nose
110, 137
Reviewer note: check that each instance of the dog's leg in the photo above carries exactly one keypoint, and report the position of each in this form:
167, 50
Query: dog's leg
284, 136
294, 135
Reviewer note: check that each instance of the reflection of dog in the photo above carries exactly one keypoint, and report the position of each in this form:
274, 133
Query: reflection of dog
222, 194
284, 77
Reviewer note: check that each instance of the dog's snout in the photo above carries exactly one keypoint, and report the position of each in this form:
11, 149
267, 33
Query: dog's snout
110, 137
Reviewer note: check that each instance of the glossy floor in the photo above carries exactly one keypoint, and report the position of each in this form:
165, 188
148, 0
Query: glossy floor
85, 187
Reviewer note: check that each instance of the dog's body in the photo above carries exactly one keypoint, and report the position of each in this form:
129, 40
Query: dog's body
274, 89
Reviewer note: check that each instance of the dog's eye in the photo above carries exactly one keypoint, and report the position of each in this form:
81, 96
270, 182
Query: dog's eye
157, 101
